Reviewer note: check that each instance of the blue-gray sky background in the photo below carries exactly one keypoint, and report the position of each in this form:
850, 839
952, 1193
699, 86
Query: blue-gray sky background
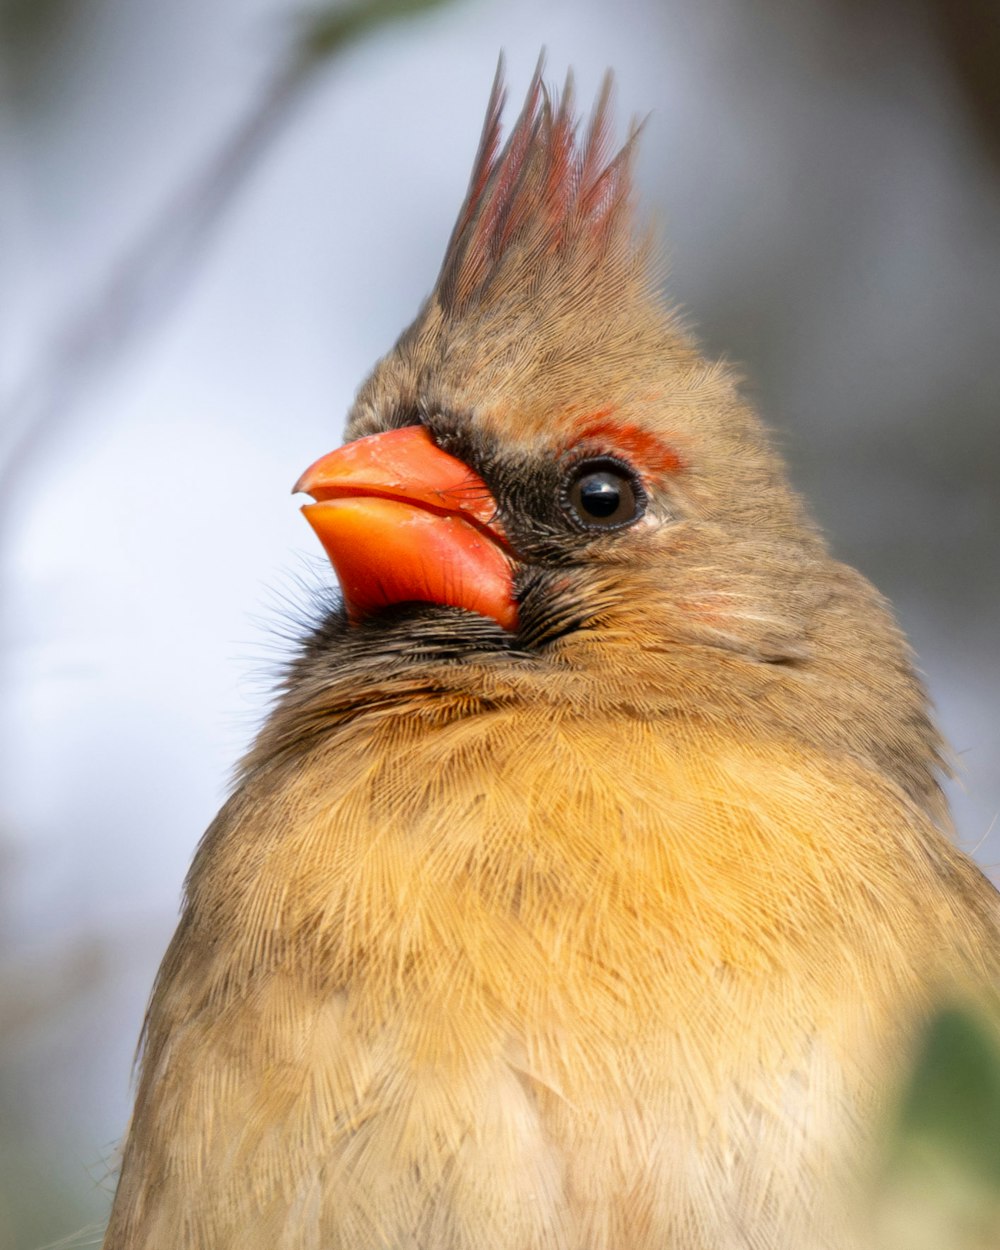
831, 214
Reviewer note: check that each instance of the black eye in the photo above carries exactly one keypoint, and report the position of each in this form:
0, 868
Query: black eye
604, 494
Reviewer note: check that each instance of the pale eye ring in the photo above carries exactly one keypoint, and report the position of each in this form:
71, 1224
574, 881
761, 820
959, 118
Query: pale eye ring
604, 493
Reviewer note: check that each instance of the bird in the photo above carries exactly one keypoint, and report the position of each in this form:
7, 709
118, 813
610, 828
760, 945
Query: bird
591, 879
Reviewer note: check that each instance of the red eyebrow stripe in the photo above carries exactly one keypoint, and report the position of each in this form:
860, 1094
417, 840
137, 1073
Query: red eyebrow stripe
651, 453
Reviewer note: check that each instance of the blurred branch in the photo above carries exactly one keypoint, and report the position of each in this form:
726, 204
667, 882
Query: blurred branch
966, 33
970, 34
330, 29
152, 274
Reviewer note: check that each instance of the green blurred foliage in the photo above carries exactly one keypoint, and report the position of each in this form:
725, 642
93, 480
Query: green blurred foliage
940, 1188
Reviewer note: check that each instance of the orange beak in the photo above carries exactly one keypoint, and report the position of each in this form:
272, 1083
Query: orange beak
402, 522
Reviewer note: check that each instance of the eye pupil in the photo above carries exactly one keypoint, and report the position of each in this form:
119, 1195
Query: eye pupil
604, 494
600, 495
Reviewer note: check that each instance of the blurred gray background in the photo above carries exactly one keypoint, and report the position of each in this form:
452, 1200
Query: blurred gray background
213, 219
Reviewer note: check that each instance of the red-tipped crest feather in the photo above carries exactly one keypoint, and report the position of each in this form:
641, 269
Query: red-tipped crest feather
489, 144
542, 194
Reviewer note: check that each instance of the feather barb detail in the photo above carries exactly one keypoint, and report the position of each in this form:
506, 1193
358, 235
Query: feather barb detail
541, 198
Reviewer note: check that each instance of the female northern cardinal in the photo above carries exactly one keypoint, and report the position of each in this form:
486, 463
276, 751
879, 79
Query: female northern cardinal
588, 881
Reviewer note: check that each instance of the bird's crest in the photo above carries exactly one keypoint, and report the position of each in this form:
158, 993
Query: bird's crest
543, 197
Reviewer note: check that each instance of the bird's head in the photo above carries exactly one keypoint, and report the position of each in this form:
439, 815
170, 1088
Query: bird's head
544, 446
545, 466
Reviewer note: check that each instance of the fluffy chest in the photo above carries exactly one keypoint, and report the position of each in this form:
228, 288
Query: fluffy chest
562, 867
524, 985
